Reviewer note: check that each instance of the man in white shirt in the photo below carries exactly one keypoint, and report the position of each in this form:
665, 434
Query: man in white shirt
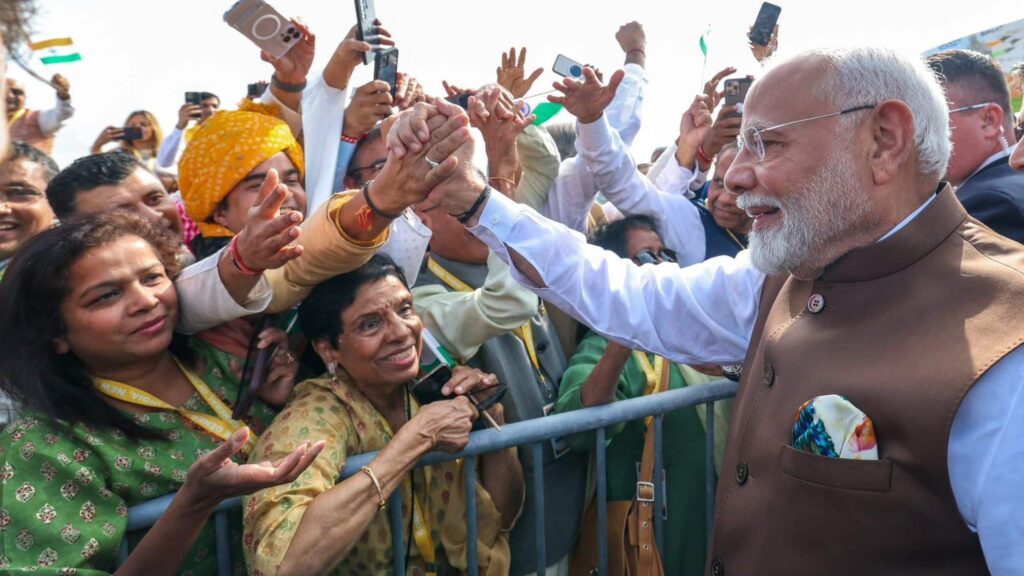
983, 137
879, 288
37, 128
171, 148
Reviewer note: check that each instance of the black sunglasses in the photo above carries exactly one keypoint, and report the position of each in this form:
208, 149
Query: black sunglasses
651, 257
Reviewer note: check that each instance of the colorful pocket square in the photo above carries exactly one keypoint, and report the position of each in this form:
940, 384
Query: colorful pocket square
833, 427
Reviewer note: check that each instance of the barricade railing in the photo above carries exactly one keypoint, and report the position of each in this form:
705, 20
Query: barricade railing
532, 433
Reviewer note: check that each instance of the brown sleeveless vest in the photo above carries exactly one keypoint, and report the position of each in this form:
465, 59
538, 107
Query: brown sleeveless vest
906, 328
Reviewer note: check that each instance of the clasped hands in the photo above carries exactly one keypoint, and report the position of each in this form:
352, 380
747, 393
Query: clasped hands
430, 161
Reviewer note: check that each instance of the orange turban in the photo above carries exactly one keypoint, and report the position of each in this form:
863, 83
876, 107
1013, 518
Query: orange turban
224, 150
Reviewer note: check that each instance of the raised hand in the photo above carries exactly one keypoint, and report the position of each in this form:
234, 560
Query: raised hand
62, 86
408, 91
265, 241
371, 102
724, 130
293, 67
108, 135
632, 39
696, 123
761, 53
187, 113
499, 130
349, 55
586, 99
711, 86
512, 73
428, 140
216, 477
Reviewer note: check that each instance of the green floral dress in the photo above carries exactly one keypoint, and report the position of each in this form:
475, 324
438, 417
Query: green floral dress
66, 489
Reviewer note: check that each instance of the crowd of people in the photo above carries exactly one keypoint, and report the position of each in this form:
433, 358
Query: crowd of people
239, 307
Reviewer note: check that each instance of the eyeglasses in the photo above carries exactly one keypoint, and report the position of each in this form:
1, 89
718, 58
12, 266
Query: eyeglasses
374, 167
973, 107
750, 138
651, 257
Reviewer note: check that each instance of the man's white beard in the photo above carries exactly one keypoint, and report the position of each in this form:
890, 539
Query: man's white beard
817, 210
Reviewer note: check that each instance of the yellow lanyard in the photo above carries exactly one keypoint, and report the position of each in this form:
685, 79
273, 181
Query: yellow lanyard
524, 332
653, 374
16, 117
222, 426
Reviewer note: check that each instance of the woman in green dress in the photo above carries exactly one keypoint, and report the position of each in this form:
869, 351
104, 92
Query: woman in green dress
117, 410
601, 372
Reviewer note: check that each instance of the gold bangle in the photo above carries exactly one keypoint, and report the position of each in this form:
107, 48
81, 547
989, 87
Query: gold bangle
376, 484
500, 179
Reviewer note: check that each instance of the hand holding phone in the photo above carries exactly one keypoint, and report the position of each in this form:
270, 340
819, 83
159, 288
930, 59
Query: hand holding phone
567, 67
266, 27
736, 93
131, 133
386, 68
761, 32
366, 14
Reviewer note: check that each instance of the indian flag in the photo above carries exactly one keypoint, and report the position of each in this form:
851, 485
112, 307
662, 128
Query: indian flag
55, 51
704, 41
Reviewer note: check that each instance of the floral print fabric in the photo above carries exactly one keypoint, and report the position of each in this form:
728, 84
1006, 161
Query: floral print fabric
335, 411
833, 427
65, 490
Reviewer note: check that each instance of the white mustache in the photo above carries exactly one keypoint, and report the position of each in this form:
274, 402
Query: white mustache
750, 200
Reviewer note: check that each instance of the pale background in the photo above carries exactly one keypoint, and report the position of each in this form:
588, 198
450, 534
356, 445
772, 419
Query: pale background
147, 53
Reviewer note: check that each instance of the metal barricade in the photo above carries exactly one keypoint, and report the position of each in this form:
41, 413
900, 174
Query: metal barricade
531, 433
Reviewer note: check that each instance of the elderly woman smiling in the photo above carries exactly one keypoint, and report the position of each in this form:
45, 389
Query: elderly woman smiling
365, 329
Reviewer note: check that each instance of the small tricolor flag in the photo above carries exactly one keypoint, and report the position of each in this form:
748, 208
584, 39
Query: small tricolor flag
704, 41
55, 51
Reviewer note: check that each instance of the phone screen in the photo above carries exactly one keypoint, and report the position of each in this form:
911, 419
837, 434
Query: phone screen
428, 388
767, 17
367, 30
386, 68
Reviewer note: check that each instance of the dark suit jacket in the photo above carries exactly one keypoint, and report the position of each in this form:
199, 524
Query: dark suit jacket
995, 195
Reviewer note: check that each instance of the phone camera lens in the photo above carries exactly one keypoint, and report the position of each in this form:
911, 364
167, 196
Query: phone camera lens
291, 30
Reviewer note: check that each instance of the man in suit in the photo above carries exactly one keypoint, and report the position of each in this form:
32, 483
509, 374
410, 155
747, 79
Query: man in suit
983, 137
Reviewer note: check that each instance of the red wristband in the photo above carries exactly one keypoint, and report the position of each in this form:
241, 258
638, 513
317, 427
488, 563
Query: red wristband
703, 155
349, 139
640, 50
236, 259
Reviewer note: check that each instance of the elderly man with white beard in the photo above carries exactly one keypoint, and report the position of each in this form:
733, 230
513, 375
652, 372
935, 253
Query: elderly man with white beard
879, 424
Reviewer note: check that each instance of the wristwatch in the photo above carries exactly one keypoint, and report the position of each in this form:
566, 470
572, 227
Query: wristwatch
733, 372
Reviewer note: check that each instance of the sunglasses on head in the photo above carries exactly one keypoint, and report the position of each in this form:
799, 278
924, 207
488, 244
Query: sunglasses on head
651, 257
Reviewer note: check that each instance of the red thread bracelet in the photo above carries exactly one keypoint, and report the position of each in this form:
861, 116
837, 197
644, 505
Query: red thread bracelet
236, 259
640, 50
349, 139
703, 155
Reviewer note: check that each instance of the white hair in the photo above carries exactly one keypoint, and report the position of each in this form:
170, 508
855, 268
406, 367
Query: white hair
868, 75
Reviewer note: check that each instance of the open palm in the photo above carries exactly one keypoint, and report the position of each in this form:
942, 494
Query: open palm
587, 99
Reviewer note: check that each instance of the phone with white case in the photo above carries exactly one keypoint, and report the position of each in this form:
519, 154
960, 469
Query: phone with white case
265, 26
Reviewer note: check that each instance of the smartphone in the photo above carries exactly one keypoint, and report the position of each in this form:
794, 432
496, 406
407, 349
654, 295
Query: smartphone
366, 29
736, 92
255, 90
565, 66
130, 133
266, 27
386, 67
194, 98
460, 100
764, 25
428, 388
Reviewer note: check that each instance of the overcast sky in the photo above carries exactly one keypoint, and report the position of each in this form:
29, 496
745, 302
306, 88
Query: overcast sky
146, 54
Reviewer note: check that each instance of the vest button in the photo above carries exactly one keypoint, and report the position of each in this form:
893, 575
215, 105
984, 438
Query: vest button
717, 567
742, 473
816, 303
769, 374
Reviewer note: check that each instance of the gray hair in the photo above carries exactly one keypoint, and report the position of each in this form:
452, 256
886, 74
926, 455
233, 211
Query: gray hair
867, 75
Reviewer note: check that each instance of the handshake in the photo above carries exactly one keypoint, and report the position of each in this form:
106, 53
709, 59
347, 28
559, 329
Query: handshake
430, 160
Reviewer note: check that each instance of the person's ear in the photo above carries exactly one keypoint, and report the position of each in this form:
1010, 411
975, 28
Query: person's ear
327, 353
992, 121
892, 139
220, 214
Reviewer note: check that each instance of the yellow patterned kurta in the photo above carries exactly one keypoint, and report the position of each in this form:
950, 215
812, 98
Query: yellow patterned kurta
338, 413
